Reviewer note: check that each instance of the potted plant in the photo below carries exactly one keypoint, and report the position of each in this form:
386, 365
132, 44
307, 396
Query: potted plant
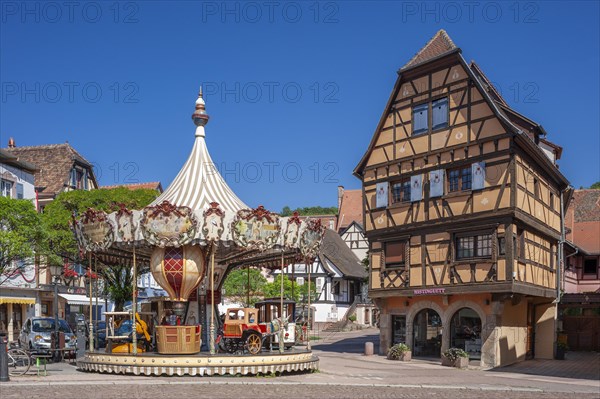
399, 352
561, 349
455, 357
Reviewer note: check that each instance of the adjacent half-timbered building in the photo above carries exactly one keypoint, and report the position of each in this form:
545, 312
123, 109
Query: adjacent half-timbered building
462, 210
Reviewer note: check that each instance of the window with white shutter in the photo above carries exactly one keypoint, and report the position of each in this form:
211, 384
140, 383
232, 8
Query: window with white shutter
416, 184
436, 183
420, 119
439, 113
6, 188
478, 175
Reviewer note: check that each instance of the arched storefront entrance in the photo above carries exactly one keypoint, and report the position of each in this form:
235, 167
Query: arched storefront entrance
427, 333
465, 332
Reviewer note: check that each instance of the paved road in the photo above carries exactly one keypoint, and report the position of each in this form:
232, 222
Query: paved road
344, 373
149, 390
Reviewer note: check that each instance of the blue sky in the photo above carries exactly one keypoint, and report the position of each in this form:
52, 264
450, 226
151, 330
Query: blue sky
294, 89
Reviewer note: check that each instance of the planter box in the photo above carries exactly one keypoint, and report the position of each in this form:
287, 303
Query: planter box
406, 357
461, 362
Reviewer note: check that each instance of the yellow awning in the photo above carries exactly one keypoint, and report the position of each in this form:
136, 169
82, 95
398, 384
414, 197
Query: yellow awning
17, 300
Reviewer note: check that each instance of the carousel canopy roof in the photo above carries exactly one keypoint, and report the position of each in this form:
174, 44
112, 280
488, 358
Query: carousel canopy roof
198, 208
199, 182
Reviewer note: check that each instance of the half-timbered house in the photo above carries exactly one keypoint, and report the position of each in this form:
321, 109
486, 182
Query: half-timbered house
462, 209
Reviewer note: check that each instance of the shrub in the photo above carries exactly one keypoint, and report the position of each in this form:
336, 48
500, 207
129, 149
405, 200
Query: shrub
563, 346
352, 318
454, 353
396, 351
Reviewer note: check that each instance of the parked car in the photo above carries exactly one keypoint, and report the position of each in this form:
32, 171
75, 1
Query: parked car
100, 334
36, 334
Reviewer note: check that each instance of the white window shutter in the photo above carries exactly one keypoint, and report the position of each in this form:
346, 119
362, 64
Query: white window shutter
436, 183
420, 118
381, 197
478, 175
320, 281
439, 115
416, 185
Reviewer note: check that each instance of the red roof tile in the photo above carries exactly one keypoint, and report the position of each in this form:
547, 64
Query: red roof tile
582, 220
438, 45
351, 209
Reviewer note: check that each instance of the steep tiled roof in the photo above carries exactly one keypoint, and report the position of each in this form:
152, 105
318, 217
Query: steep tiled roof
342, 257
438, 45
54, 163
351, 209
154, 185
586, 204
12, 159
583, 220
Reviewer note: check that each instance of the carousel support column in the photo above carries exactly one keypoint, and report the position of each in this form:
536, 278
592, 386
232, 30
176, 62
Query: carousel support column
293, 279
281, 335
308, 328
134, 307
91, 331
248, 289
211, 340
95, 334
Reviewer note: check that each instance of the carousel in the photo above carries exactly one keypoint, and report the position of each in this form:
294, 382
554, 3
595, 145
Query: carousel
189, 238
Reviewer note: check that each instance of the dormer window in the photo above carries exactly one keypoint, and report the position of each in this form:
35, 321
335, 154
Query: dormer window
78, 179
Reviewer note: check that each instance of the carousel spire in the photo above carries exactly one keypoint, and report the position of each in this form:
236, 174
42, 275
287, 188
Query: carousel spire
200, 117
199, 182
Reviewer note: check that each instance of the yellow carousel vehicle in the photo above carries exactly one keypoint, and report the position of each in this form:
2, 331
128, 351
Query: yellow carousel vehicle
121, 333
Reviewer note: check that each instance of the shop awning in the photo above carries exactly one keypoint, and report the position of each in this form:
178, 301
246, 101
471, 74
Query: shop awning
73, 299
17, 299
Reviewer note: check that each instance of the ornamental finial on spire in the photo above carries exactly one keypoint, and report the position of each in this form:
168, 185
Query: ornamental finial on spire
200, 117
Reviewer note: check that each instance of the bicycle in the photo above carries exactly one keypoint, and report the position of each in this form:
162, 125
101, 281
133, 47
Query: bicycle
19, 362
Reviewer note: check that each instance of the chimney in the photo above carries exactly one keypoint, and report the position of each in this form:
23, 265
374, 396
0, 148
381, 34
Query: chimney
340, 195
11, 143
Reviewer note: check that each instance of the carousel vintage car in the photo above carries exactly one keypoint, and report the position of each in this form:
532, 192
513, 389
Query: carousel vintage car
243, 332
269, 309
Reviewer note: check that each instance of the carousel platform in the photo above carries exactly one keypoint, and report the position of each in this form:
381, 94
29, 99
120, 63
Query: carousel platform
198, 365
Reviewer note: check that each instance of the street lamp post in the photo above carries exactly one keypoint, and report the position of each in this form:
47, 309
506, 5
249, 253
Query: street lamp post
56, 271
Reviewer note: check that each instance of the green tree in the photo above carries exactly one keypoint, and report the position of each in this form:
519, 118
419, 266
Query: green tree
236, 286
273, 290
57, 216
21, 235
310, 211
595, 186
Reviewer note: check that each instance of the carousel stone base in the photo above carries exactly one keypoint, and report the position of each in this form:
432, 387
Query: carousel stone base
197, 365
